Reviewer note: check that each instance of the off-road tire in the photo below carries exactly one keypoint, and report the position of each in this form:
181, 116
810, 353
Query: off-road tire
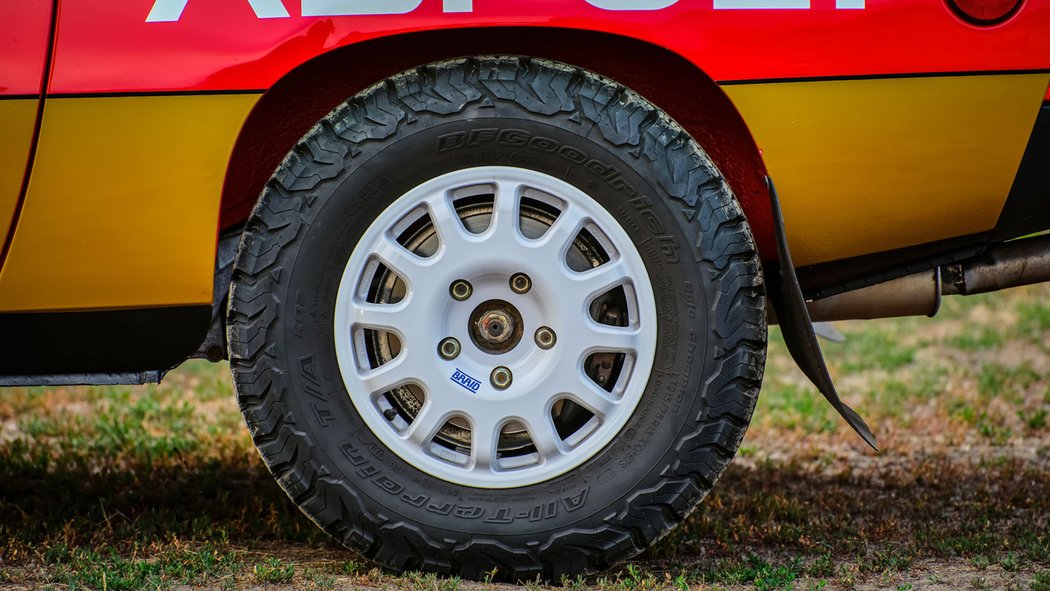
671, 199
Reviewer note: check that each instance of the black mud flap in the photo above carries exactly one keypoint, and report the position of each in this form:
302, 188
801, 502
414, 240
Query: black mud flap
789, 304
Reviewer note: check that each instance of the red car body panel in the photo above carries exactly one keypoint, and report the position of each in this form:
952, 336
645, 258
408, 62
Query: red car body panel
24, 27
222, 45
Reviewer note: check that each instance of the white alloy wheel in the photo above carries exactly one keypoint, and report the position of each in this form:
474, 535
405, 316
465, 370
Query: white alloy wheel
470, 335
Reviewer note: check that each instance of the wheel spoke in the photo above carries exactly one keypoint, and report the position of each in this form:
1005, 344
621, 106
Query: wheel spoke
541, 429
395, 372
556, 240
430, 418
455, 240
592, 397
585, 286
505, 219
414, 269
382, 316
483, 439
586, 336
407, 319
602, 337
569, 380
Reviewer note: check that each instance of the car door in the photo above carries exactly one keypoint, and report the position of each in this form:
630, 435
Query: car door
24, 39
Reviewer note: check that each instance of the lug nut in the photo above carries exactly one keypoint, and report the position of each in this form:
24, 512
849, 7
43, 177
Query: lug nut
545, 337
448, 348
520, 283
501, 378
460, 290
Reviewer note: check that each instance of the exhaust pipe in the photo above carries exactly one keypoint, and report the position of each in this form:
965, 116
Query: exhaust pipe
1010, 264
912, 295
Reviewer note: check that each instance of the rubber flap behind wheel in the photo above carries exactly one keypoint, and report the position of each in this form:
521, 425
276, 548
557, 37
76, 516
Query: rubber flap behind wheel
789, 304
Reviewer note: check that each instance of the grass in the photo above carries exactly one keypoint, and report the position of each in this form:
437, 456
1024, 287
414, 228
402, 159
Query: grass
82, 568
273, 570
159, 487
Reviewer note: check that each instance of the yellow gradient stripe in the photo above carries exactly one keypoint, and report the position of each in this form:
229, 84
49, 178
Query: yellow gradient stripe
17, 119
865, 166
123, 203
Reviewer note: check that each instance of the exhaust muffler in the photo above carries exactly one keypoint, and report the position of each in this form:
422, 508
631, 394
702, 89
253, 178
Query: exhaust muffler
1010, 264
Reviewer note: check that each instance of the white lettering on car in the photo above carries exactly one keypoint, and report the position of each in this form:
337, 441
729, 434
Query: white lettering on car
632, 4
760, 4
459, 5
166, 11
358, 7
779, 4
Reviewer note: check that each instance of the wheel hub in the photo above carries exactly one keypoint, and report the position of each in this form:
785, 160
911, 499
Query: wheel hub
496, 326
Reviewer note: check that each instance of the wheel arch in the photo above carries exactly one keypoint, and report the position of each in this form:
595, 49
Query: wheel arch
307, 93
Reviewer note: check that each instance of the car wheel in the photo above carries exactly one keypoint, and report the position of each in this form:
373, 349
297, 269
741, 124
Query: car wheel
497, 314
